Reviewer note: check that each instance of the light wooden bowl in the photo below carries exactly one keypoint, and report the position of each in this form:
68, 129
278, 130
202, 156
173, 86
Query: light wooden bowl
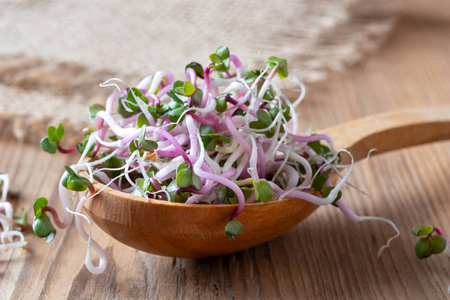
193, 230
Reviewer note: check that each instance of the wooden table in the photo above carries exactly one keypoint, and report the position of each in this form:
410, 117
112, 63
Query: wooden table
327, 256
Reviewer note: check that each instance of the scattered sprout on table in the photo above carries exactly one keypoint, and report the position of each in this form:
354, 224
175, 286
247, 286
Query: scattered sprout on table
11, 236
228, 139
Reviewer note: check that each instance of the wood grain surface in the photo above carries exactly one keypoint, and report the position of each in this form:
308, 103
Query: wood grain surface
326, 257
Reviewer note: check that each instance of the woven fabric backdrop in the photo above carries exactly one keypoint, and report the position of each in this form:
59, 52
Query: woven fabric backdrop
54, 54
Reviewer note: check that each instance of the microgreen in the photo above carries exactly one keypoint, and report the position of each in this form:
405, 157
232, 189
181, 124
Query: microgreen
431, 241
42, 226
232, 229
200, 140
220, 59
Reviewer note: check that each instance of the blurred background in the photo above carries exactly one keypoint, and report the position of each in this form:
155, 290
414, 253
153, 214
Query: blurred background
53, 54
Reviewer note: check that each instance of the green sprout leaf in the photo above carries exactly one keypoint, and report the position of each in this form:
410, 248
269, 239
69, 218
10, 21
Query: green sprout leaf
221, 59
417, 229
38, 205
221, 192
48, 146
182, 166
43, 228
198, 69
423, 248
426, 230
438, 244
221, 105
196, 182
320, 181
93, 110
223, 52
264, 117
282, 66
263, 191
327, 190
142, 120
232, 229
184, 178
189, 88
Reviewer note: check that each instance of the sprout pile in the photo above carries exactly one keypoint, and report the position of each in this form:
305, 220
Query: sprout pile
223, 135
11, 235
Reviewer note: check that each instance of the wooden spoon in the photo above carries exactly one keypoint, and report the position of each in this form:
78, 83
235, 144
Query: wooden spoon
193, 230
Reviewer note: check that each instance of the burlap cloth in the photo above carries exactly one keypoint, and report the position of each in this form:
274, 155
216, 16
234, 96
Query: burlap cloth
53, 54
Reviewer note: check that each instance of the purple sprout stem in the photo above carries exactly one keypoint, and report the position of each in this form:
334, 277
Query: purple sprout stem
191, 76
312, 138
55, 216
211, 122
262, 160
66, 151
234, 132
206, 85
237, 63
165, 134
347, 211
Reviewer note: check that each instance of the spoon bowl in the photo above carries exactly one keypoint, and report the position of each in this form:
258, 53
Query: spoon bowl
194, 230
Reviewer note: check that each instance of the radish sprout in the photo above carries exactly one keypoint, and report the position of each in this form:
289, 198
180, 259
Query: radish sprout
11, 236
224, 135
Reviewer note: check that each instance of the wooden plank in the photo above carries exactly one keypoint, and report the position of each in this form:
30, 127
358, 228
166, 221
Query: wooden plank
326, 256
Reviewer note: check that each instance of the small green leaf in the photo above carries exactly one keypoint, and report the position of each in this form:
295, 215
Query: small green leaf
327, 190
206, 129
147, 145
174, 97
221, 105
48, 146
43, 228
93, 110
426, 230
247, 192
189, 88
232, 229
257, 125
196, 182
38, 205
69, 170
274, 112
142, 134
77, 183
264, 117
215, 58
282, 63
52, 135
175, 114
184, 178
197, 68
223, 52
263, 191
320, 181
423, 248
417, 229
142, 120
221, 192
60, 132
182, 166
197, 97
438, 244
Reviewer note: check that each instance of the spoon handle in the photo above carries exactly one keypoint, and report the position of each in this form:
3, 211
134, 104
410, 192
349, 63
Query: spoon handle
392, 130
